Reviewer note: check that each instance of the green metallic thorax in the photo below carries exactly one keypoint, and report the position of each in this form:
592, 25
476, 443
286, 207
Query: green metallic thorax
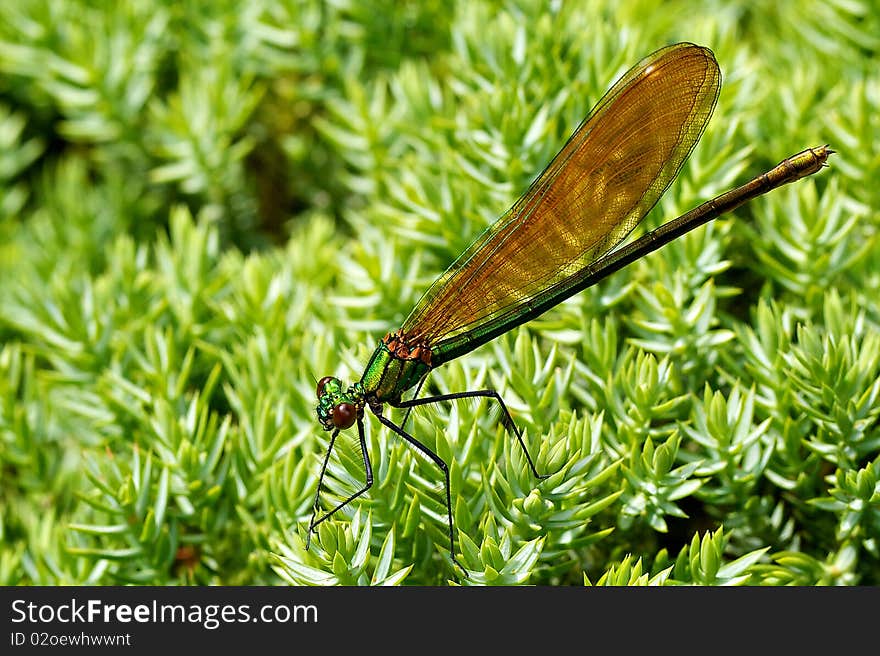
398, 364
387, 376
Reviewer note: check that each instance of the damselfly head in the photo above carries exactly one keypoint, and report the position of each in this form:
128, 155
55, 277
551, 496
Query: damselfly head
323, 383
338, 408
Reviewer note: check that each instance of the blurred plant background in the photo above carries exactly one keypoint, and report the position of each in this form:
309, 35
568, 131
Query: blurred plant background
205, 206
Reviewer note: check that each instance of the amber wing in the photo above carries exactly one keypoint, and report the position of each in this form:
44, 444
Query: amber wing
610, 173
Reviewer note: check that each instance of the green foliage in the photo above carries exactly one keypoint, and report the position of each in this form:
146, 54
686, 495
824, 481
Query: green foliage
204, 207
343, 555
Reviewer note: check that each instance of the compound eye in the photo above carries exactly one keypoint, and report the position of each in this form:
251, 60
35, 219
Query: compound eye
344, 415
322, 383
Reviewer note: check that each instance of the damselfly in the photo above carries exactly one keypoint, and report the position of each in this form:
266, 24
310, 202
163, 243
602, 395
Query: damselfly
559, 238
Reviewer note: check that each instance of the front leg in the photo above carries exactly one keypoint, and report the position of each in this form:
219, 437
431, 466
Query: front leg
368, 469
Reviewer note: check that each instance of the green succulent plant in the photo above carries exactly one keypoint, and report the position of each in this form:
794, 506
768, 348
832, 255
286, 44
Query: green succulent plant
204, 207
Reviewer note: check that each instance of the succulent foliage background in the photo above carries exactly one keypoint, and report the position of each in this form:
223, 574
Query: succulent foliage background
206, 206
